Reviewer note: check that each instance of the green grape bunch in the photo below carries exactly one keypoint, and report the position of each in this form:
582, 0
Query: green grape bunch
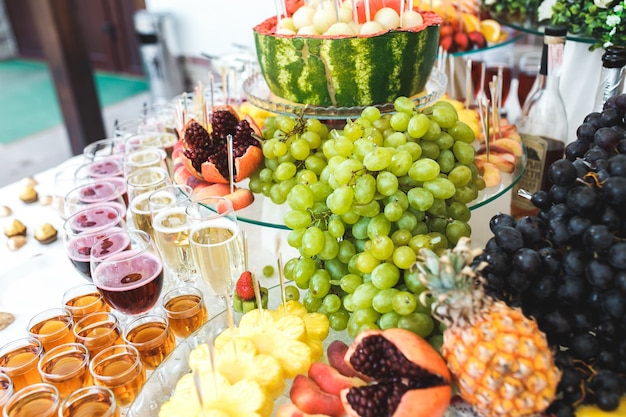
363, 200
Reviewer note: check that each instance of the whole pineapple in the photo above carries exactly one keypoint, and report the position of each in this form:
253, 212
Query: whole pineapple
500, 360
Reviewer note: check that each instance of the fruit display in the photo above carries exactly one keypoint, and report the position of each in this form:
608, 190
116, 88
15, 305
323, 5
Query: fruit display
565, 266
323, 56
501, 362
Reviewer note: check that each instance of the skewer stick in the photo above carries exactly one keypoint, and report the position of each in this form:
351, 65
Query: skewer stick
367, 10
355, 15
281, 273
451, 78
257, 292
231, 174
483, 105
468, 82
402, 6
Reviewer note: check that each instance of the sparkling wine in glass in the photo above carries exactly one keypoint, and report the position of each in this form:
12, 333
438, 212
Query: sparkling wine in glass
130, 280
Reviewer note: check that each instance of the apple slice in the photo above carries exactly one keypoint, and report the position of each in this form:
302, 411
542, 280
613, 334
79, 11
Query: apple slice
490, 173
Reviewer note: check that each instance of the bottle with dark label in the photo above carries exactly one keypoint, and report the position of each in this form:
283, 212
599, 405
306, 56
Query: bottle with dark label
543, 123
611, 76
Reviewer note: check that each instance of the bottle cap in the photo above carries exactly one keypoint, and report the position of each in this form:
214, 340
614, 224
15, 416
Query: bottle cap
553, 30
614, 57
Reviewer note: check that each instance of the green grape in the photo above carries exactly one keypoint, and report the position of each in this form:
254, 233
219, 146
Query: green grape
319, 284
346, 251
268, 148
370, 209
313, 125
377, 159
399, 197
401, 237
280, 149
365, 316
362, 147
285, 186
344, 146
332, 303
266, 175
433, 132
268, 271
400, 121
460, 176
418, 126
353, 328
463, 152
446, 160
461, 132
286, 158
294, 237
479, 183
359, 229
430, 150
373, 135
348, 303
315, 163
306, 177
421, 241
378, 226
444, 116
328, 148
382, 301
444, 141
383, 123
346, 170
385, 275
395, 139
284, 171
457, 229
408, 221
362, 245
364, 189
300, 149
312, 304
350, 282
350, 217
336, 268
285, 123
289, 267
389, 320
404, 104
255, 184
420, 198
276, 195
320, 191
334, 161
386, 183
404, 257
352, 130
300, 197
338, 320
437, 224
292, 293
440, 188
439, 208
312, 241
400, 164
336, 228
382, 247
340, 200
466, 194
436, 341
413, 148
319, 209
272, 164
393, 211
459, 211
331, 247
303, 271
424, 169
371, 113
366, 262
413, 282
404, 303
312, 138
419, 323
420, 228
438, 241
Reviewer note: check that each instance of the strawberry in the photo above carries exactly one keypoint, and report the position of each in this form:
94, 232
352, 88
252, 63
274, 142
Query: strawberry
245, 287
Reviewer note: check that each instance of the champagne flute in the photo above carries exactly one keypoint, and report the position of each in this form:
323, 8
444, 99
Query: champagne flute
171, 228
129, 280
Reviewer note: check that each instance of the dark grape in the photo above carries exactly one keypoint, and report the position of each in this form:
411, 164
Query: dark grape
527, 261
613, 304
606, 138
501, 219
598, 238
610, 117
620, 103
599, 274
575, 150
595, 154
617, 166
542, 288
617, 255
562, 172
582, 200
585, 133
532, 229
572, 290
560, 408
550, 258
558, 194
574, 261
581, 167
584, 346
614, 190
593, 119
497, 262
509, 238
577, 225
541, 199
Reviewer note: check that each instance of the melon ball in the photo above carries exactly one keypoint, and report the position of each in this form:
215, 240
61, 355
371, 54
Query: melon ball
339, 28
303, 17
308, 30
371, 27
286, 23
345, 15
388, 17
411, 18
322, 19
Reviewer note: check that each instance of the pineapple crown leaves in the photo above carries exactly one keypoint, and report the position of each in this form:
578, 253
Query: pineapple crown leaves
453, 283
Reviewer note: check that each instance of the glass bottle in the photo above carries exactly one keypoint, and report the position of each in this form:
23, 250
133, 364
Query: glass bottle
543, 123
611, 75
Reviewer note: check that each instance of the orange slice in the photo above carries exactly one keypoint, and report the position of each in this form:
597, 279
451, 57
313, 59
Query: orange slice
471, 22
491, 30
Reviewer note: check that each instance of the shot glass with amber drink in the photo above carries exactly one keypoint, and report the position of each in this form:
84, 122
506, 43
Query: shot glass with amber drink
19, 359
66, 367
185, 309
52, 327
84, 299
98, 331
90, 401
119, 368
6, 390
152, 337
37, 400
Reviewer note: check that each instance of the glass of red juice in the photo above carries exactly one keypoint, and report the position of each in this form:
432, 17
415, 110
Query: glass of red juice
84, 228
129, 280
95, 193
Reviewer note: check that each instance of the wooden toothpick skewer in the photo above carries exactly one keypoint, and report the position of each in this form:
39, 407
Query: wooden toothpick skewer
231, 174
468, 83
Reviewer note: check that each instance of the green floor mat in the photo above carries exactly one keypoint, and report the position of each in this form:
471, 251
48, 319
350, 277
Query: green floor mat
28, 100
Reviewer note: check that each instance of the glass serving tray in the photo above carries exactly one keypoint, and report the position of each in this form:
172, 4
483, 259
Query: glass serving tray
258, 93
160, 385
